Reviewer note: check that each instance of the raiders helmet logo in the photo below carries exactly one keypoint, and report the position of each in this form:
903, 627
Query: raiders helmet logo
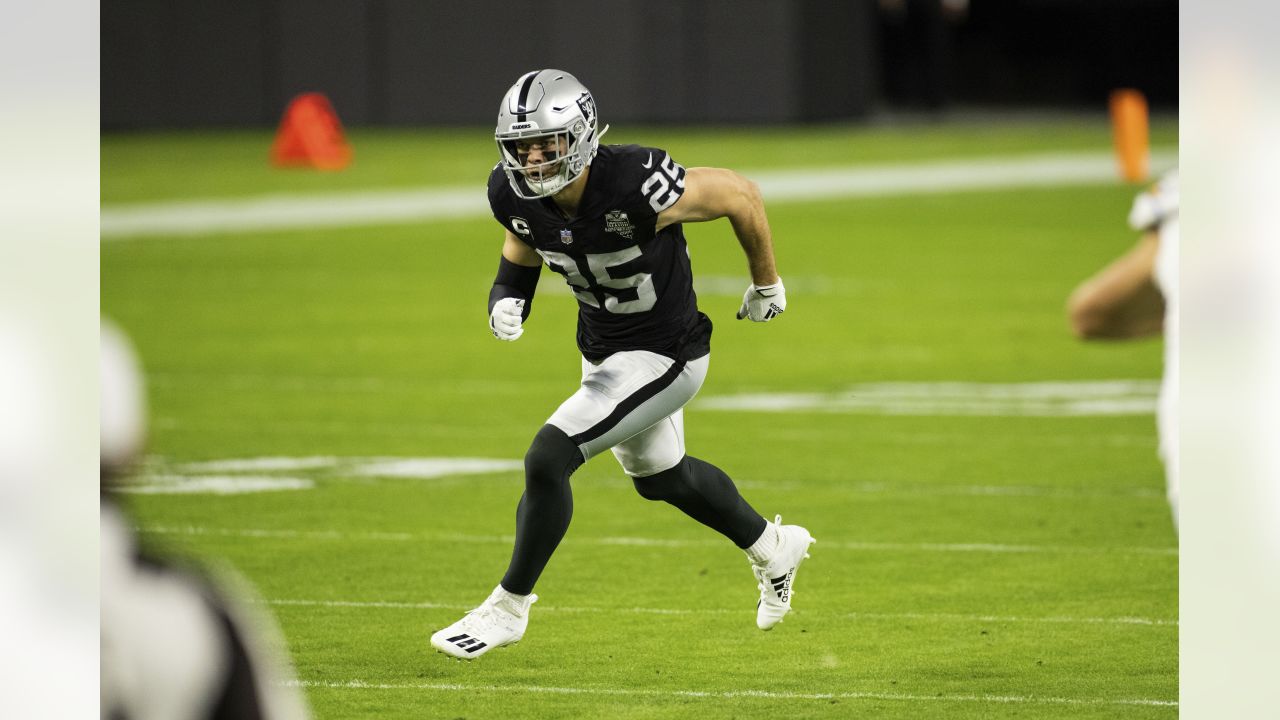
587, 104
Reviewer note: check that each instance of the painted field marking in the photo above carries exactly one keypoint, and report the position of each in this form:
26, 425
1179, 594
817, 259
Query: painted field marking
730, 694
277, 534
991, 548
1067, 398
1081, 398
1064, 398
422, 468
227, 477
945, 617
160, 476
285, 212
992, 490
212, 485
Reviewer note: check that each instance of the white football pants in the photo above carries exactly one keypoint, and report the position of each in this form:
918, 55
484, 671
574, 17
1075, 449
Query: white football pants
633, 403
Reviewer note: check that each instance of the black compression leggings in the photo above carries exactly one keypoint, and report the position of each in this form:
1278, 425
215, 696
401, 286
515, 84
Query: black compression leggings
545, 509
699, 489
703, 492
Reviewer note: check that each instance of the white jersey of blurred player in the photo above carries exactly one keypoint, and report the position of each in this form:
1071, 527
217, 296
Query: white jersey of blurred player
1158, 208
1136, 295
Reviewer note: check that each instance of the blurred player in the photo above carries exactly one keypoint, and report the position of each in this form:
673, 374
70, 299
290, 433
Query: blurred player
1137, 295
173, 646
608, 218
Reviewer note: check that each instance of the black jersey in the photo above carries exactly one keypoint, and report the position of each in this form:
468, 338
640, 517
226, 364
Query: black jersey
634, 286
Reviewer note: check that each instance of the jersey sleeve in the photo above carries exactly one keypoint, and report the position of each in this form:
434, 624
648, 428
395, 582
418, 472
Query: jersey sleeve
500, 198
650, 180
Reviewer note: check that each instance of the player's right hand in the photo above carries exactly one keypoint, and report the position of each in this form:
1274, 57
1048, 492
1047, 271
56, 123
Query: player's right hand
763, 303
506, 318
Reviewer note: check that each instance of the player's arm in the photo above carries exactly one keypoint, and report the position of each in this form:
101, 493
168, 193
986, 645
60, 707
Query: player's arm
1122, 300
511, 298
713, 193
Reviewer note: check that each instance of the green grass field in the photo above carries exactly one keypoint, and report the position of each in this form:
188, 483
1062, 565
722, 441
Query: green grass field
967, 565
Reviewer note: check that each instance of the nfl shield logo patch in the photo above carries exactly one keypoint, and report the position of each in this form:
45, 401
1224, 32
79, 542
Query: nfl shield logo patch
566, 236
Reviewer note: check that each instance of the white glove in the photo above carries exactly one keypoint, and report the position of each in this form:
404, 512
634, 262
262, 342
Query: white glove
763, 303
506, 318
1156, 205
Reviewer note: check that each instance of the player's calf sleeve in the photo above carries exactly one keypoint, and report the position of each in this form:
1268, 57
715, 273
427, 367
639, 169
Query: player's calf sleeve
545, 509
705, 493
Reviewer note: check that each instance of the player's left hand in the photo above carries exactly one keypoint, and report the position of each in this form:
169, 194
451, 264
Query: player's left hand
763, 303
506, 318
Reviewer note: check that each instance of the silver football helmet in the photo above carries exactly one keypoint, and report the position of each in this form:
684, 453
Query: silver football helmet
547, 132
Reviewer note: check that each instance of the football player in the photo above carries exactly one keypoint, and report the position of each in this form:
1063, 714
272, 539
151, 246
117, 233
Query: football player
175, 643
609, 218
1135, 296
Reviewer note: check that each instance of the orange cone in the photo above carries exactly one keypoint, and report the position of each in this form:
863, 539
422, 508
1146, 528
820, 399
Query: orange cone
310, 136
1130, 131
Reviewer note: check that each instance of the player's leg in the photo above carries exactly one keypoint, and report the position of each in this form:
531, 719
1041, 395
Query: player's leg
543, 515
616, 396
661, 470
619, 397
1167, 427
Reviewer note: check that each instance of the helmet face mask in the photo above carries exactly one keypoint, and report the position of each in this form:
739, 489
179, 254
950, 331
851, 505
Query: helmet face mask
539, 162
547, 133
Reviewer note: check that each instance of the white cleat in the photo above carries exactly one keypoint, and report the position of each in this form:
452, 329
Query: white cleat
777, 576
500, 620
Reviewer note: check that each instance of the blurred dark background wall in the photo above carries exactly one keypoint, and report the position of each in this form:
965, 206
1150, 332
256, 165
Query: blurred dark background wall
187, 64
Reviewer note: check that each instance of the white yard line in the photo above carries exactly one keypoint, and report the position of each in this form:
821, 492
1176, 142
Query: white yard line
212, 485
1081, 398
989, 548
729, 694
158, 474
289, 212
942, 617
1058, 398
285, 212
278, 534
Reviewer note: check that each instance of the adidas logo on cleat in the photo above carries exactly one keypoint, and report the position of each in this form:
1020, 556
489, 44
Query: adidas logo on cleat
775, 577
500, 620
782, 586
466, 642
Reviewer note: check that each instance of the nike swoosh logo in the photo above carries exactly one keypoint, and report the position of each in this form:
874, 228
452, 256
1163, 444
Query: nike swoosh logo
649, 162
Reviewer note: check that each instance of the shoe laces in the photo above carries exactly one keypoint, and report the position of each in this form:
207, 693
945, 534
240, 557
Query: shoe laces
482, 618
491, 613
759, 573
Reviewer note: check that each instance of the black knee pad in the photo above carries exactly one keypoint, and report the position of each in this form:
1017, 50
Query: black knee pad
552, 457
664, 485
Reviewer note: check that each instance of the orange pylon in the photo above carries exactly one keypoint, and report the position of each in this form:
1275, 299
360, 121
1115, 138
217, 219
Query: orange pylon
310, 135
1131, 133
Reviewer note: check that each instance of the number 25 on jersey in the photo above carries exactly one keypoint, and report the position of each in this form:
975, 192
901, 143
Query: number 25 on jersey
659, 190
593, 283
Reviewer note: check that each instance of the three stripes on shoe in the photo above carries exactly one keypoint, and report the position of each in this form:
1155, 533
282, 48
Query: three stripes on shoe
466, 642
782, 585
470, 644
